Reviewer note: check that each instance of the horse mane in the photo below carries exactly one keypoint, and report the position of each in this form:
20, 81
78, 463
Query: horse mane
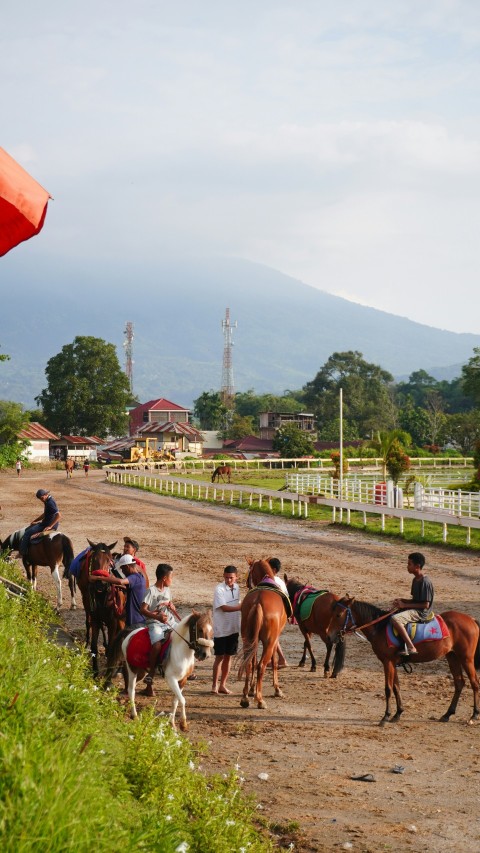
366, 612
296, 584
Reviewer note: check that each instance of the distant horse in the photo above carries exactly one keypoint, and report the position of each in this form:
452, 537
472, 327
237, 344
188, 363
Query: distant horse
69, 466
222, 471
461, 648
104, 603
316, 606
51, 550
191, 640
264, 616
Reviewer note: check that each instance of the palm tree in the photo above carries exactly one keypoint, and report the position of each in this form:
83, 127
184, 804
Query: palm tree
384, 443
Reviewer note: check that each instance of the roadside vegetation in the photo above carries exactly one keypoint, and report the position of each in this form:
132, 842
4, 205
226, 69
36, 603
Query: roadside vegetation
75, 775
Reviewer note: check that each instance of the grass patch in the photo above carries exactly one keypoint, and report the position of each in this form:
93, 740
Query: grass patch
75, 776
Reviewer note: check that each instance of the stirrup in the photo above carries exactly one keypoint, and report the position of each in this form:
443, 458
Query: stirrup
148, 679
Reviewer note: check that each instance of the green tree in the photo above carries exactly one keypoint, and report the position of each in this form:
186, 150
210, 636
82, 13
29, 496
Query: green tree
397, 461
250, 404
387, 442
87, 392
471, 376
415, 421
241, 427
292, 443
12, 420
463, 430
367, 395
210, 410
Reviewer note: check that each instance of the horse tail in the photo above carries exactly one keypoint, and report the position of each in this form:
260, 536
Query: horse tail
114, 655
250, 645
339, 658
67, 552
476, 659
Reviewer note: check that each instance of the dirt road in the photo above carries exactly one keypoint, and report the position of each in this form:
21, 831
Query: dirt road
323, 732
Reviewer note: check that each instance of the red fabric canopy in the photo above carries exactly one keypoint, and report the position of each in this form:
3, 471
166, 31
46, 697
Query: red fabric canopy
23, 204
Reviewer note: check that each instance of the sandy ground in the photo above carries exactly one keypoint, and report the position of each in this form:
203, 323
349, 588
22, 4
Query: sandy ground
323, 732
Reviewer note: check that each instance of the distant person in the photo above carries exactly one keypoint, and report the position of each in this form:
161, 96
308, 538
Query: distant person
18, 467
86, 467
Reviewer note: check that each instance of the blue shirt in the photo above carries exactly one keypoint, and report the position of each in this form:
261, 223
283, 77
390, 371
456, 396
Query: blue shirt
49, 512
137, 587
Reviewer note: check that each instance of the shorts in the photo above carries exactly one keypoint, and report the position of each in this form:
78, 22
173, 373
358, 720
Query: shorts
157, 631
406, 616
225, 645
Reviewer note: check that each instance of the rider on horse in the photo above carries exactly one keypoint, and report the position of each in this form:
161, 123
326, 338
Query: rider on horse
418, 608
160, 615
48, 520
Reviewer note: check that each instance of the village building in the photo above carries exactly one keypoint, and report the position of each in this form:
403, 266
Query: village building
38, 438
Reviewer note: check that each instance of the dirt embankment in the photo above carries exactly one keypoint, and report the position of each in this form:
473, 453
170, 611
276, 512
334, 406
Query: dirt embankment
323, 732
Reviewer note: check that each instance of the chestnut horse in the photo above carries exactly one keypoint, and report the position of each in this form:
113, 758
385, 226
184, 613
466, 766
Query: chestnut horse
51, 550
69, 466
222, 471
104, 603
192, 639
264, 616
461, 648
316, 622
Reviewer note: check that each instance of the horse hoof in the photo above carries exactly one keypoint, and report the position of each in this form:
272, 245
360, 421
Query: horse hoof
73, 607
279, 694
183, 726
262, 706
244, 703
444, 719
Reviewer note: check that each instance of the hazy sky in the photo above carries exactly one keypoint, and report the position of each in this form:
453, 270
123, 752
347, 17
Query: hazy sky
338, 142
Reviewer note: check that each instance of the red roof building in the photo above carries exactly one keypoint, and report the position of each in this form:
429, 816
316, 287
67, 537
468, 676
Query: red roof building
159, 411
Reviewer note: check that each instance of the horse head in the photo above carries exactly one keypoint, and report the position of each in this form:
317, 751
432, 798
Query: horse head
341, 619
201, 634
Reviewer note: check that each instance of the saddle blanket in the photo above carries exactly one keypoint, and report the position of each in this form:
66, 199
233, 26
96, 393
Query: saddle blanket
138, 651
419, 632
304, 601
269, 583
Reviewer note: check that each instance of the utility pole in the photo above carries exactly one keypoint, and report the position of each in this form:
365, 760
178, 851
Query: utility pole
128, 345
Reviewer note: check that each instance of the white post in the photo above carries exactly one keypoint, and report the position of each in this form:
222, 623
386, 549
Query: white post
341, 453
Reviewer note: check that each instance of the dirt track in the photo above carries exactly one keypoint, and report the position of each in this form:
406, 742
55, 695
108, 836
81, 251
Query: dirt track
322, 732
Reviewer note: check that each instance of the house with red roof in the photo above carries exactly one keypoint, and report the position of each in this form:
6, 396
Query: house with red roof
159, 411
39, 439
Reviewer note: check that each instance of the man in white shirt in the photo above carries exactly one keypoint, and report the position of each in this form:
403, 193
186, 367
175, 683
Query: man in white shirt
226, 627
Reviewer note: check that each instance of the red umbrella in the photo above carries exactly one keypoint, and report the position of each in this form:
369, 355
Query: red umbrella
23, 204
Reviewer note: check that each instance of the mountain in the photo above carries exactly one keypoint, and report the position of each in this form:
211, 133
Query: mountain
286, 329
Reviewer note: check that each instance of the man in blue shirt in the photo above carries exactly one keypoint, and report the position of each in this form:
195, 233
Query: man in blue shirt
48, 520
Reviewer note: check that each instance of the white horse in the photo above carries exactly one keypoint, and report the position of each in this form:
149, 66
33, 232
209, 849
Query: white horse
192, 639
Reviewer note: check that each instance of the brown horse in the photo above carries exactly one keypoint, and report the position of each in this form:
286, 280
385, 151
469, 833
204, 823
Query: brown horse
104, 604
53, 551
69, 466
316, 622
264, 616
461, 648
222, 471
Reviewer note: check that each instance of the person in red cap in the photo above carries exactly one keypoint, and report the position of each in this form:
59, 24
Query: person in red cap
131, 546
48, 520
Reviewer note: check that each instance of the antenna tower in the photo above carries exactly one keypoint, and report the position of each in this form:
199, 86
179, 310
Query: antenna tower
128, 344
228, 388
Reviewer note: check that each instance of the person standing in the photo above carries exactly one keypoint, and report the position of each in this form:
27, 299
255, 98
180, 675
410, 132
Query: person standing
131, 546
18, 467
86, 467
418, 608
226, 627
48, 520
134, 584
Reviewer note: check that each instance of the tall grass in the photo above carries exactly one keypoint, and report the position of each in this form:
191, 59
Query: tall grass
76, 776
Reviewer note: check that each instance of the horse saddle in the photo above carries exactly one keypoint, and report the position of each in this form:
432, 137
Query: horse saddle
419, 632
269, 583
304, 601
139, 647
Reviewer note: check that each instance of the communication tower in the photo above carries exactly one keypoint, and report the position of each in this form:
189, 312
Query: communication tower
228, 387
128, 344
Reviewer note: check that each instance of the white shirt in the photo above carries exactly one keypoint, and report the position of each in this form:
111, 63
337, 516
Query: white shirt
225, 622
281, 584
155, 599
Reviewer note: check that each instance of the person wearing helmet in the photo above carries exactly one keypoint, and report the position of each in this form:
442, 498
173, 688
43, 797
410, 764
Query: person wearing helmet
48, 520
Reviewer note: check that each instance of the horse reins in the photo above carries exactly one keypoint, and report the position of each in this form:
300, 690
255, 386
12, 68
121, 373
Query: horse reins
355, 627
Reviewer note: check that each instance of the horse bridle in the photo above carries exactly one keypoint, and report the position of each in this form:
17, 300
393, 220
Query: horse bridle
354, 627
195, 643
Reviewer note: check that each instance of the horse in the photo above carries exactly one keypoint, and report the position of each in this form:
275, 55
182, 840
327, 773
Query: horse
222, 471
264, 616
69, 466
461, 648
51, 550
316, 621
104, 603
191, 640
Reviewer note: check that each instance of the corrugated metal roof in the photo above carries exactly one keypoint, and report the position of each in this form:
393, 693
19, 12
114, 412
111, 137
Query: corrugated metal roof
36, 431
77, 439
171, 426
